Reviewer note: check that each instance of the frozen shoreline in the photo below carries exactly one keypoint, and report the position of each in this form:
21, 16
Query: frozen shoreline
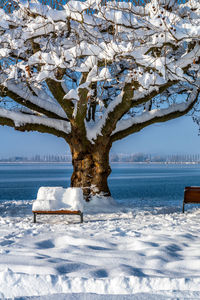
151, 253
111, 162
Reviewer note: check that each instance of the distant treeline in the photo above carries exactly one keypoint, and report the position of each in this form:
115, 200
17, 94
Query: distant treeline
120, 157
38, 158
142, 157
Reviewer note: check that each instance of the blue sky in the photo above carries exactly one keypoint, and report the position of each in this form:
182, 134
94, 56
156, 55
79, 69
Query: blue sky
176, 136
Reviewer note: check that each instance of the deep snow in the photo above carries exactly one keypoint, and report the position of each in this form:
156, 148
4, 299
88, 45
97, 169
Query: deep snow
153, 254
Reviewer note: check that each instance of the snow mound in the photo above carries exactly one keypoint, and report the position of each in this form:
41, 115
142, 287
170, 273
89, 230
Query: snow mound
57, 198
101, 204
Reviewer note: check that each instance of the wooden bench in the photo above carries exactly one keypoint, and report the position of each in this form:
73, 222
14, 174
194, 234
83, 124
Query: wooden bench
57, 212
191, 195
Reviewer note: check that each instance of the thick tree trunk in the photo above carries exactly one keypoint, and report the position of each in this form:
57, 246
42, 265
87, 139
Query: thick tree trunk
91, 170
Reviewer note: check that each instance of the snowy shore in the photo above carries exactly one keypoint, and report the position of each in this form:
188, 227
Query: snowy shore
148, 253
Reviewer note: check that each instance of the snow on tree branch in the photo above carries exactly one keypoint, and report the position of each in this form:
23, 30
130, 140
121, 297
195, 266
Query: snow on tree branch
32, 97
77, 62
150, 116
24, 122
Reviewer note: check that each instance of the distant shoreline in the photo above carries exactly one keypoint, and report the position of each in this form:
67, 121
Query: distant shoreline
112, 162
35, 162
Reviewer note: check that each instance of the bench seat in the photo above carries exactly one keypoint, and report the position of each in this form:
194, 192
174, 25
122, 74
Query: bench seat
57, 212
191, 195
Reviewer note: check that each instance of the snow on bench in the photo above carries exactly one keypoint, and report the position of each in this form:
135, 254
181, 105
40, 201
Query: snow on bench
57, 201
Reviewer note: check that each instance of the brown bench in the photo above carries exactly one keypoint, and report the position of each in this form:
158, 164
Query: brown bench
57, 212
191, 195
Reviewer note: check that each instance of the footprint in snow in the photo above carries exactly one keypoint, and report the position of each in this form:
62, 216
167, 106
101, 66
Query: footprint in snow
101, 273
6, 243
69, 268
47, 244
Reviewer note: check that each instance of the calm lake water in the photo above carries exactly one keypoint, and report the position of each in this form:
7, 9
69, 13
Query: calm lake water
132, 184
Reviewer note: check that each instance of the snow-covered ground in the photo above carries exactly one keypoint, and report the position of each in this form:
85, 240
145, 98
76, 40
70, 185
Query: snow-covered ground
151, 253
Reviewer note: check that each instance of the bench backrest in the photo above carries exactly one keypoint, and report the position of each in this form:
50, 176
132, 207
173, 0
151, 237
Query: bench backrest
192, 194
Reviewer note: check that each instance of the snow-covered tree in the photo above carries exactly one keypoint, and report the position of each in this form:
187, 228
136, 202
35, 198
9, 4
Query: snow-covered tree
95, 72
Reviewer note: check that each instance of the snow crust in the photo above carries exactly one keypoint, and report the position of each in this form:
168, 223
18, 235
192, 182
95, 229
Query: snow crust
58, 198
151, 253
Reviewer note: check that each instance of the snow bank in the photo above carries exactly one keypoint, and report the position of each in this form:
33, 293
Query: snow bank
50, 284
57, 198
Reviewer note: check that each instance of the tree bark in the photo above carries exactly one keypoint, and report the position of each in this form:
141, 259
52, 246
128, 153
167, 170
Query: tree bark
91, 170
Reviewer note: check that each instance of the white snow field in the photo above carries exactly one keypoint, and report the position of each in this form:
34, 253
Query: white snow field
117, 253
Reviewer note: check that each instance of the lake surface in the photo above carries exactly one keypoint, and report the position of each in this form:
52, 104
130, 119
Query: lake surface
132, 184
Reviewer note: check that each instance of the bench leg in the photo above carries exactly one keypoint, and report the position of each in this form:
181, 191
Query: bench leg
34, 217
183, 207
81, 215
